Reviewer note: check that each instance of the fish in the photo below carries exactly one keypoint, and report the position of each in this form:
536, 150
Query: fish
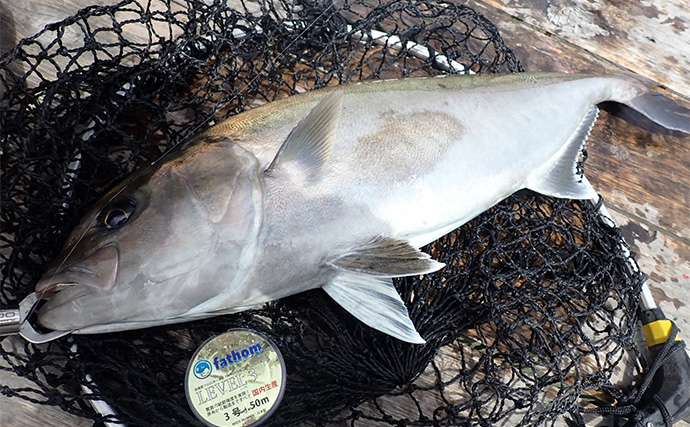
336, 188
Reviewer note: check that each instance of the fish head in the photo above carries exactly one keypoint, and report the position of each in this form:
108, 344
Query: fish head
166, 240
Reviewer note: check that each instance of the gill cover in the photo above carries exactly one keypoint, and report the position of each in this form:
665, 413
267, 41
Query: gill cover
190, 235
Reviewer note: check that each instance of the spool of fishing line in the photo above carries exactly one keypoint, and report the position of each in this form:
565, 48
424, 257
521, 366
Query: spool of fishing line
235, 379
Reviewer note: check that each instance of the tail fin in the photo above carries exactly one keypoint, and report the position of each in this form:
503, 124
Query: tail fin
662, 110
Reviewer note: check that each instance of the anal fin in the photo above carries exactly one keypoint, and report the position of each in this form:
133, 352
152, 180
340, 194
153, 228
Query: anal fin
559, 177
375, 302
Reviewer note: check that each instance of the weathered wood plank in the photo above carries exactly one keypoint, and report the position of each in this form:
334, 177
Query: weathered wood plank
651, 38
648, 168
664, 260
26, 18
640, 172
644, 177
15, 412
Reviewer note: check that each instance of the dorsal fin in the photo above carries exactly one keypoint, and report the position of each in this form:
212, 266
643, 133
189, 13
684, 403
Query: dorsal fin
559, 177
307, 149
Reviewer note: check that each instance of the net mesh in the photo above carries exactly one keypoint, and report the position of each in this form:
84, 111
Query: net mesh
531, 316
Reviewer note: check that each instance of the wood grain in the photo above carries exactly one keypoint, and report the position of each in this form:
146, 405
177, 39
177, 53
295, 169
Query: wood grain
645, 175
651, 38
664, 260
15, 412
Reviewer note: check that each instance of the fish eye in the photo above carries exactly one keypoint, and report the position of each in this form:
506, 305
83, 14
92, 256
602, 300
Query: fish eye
117, 213
115, 218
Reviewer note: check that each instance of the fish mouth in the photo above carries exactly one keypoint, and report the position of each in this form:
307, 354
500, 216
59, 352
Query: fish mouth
47, 291
97, 271
60, 310
60, 294
65, 290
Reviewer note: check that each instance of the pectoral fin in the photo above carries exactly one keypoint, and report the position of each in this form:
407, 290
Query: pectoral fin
387, 257
559, 177
305, 153
375, 302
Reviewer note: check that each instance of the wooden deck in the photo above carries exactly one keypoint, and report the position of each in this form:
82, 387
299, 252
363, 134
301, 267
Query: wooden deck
644, 178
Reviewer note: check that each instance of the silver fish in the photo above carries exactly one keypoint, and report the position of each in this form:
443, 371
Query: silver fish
336, 188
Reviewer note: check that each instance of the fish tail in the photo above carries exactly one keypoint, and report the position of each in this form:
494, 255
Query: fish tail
653, 105
662, 110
